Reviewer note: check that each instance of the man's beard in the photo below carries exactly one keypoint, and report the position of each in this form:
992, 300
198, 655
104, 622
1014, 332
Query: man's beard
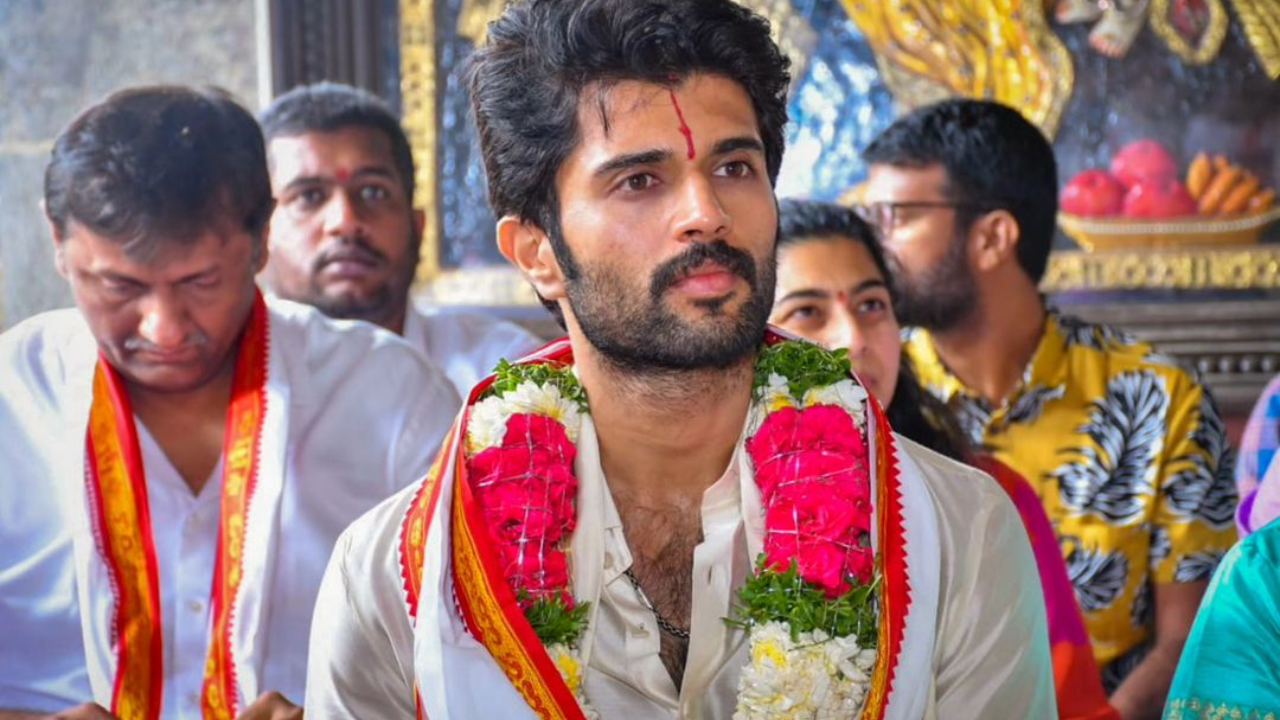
376, 304
636, 331
941, 297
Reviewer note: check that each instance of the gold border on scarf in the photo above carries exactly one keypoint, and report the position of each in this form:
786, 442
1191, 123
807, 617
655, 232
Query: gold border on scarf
492, 627
126, 551
1198, 709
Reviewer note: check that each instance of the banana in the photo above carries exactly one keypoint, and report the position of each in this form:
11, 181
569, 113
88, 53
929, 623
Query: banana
1221, 184
1239, 197
1261, 201
1198, 175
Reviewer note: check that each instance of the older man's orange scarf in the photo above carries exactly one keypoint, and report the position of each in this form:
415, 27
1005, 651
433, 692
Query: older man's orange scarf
118, 501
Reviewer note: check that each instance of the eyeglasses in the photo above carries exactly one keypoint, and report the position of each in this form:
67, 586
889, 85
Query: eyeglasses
882, 216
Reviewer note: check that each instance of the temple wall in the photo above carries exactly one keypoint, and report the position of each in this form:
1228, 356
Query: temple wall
59, 56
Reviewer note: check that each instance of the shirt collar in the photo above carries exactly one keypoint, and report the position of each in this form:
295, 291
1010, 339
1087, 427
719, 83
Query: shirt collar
1044, 367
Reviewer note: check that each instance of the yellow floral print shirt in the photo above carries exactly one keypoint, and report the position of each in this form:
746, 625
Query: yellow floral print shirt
1129, 457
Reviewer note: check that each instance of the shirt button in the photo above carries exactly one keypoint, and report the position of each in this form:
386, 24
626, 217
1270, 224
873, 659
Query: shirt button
193, 699
196, 606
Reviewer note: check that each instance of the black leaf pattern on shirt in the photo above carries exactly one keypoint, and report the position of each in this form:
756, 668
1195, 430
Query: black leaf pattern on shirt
972, 414
1077, 332
1197, 566
1127, 425
1099, 578
1204, 487
1030, 404
1161, 546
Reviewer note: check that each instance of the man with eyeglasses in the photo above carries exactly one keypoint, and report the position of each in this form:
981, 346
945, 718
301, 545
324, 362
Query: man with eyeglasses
1125, 448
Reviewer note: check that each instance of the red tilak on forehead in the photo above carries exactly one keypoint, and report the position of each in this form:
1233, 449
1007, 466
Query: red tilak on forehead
684, 127
342, 174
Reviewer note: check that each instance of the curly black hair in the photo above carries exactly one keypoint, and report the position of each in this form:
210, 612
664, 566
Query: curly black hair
995, 159
528, 79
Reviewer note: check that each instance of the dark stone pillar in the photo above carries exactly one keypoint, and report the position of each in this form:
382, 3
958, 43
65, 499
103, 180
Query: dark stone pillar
347, 41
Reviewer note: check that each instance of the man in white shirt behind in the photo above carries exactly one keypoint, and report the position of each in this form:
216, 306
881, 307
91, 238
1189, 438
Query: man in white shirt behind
345, 236
178, 454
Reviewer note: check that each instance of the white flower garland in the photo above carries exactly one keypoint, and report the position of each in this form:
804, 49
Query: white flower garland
815, 676
775, 394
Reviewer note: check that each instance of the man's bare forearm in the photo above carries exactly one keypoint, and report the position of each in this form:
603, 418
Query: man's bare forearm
1142, 694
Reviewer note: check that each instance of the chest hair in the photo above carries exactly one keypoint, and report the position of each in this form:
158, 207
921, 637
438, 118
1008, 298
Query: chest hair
662, 539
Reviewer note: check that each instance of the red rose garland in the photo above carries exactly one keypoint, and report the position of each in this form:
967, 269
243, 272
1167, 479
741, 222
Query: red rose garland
527, 490
811, 469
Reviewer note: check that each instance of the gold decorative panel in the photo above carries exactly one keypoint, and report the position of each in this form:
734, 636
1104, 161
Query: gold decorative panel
1252, 268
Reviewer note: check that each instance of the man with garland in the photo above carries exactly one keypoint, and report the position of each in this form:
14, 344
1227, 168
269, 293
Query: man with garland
180, 456
345, 235
674, 512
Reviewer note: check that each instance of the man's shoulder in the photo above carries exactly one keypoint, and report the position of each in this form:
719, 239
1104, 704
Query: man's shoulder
342, 351
1117, 347
1115, 353
942, 474
54, 331
39, 352
963, 497
472, 328
370, 546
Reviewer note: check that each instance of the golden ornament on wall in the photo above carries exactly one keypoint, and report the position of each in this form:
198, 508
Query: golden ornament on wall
1261, 22
1191, 29
999, 50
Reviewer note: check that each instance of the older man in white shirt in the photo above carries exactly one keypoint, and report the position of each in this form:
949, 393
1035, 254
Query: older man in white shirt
179, 455
345, 236
602, 509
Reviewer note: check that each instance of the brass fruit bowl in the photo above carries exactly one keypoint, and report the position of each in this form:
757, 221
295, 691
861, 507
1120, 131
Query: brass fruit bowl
1115, 233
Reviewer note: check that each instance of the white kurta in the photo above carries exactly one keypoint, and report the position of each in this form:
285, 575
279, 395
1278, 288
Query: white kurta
976, 641
466, 345
364, 417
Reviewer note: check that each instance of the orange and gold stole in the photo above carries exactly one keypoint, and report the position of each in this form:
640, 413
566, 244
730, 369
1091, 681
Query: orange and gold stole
117, 491
895, 595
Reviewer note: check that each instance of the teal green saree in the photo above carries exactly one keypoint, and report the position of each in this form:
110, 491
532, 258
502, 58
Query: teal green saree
1230, 667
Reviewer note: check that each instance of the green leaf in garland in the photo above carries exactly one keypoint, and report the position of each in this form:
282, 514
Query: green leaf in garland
786, 597
803, 364
553, 621
509, 376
